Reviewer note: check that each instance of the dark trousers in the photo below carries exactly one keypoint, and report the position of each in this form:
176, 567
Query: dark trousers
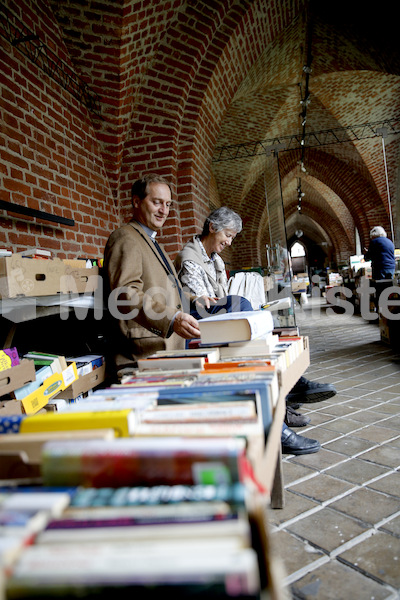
380, 285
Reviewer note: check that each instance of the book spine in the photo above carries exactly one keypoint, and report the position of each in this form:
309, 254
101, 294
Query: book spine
158, 495
111, 469
11, 423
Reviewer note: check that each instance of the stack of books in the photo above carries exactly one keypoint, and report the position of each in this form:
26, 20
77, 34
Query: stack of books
169, 495
148, 516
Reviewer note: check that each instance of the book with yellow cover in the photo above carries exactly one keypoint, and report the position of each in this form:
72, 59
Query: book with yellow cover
122, 421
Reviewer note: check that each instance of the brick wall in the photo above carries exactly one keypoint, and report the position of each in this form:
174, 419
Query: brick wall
49, 153
174, 78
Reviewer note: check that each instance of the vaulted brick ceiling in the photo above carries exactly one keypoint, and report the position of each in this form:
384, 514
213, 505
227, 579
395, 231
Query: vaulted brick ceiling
180, 79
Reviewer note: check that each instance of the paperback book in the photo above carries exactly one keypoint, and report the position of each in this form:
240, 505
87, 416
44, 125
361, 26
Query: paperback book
143, 461
211, 567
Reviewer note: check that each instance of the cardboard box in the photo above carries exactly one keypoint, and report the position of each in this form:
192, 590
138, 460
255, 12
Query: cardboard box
57, 382
384, 329
299, 286
79, 279
16, 377
10, 407
24, 276
84, 383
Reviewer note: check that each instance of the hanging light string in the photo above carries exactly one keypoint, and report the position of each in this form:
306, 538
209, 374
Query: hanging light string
300, 194
305, 99
383, 133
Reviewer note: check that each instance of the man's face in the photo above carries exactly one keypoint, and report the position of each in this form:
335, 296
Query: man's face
153, 210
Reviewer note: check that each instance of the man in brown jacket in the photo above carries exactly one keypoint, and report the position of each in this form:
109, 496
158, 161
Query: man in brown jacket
142, 290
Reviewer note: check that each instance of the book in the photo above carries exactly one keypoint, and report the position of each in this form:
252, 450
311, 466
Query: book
235, 327
10, 423
214, 387
8, 358
101, 404
279, 304
258, 347
220, 390
201, 412
123, 421
78, 529
211, 354
32, 443
158, 495
56, 362
284, 331
143, 461
22, 522
157, 379
202, 429
51, 502
108, 396
27, 389
239, 366
209, 567
4, 252
171, 363
37, 252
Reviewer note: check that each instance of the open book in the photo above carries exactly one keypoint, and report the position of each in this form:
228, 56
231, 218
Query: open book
235, 327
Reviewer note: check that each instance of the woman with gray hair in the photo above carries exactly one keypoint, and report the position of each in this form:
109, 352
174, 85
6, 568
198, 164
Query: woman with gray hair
202, 271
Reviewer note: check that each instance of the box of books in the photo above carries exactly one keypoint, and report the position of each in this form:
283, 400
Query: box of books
30, 274
49, 379
80, 277
17, 376
91, 373
35, 272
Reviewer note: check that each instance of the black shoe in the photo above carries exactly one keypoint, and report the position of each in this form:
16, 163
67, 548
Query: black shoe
293, 443
296, 406
310, 391
295, 419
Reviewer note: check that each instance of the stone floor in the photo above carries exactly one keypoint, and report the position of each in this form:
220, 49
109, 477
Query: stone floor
338, 534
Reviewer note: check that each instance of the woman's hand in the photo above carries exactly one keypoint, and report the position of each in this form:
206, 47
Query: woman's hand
206, 301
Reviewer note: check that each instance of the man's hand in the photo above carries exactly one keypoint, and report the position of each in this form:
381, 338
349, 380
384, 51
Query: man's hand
186, 326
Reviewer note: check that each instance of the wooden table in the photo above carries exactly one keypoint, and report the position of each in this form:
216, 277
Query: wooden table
271, 477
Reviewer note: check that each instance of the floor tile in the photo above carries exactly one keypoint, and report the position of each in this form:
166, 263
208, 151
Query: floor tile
337, 530
357, 471
321, 488
378, 556
295, 553
377, 433
349, 445
343, 425
367, 505
294, 506
383, 455
293, 472
390, 484
392, 526
324, 435
336, 581
321, 460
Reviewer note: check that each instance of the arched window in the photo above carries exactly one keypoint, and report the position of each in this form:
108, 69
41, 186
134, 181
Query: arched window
297, 250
